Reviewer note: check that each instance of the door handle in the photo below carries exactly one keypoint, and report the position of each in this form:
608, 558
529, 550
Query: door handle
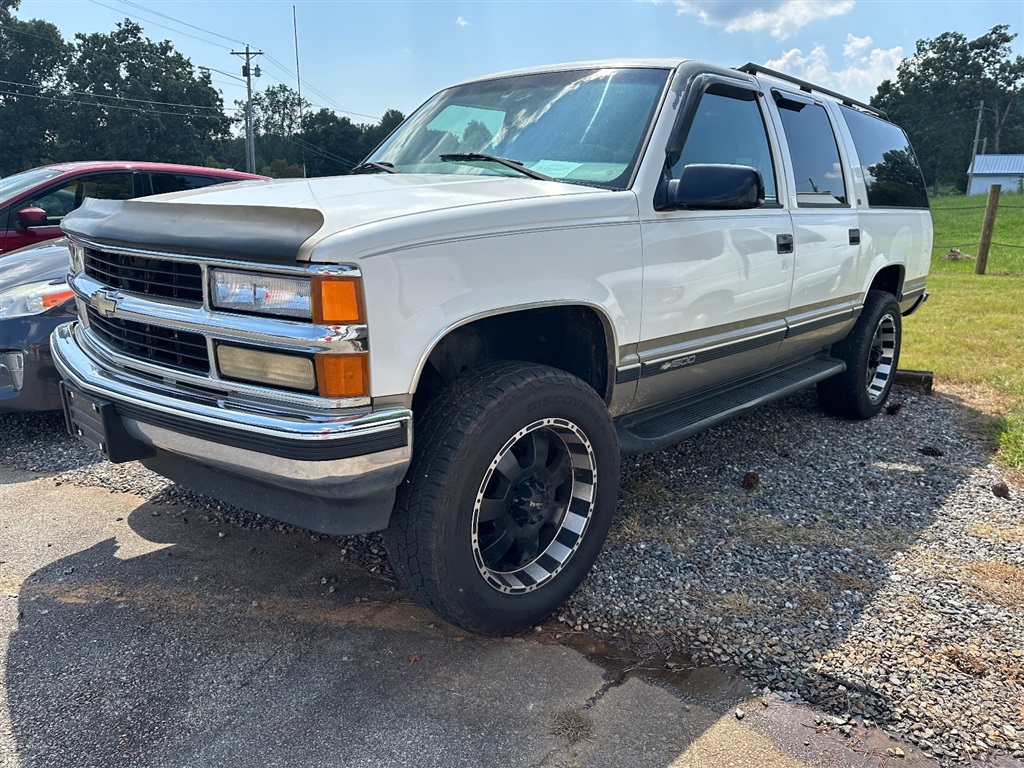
854, 237
784, 243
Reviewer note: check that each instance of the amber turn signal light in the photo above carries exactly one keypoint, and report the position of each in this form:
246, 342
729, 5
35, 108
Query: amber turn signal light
337, 300
343, 375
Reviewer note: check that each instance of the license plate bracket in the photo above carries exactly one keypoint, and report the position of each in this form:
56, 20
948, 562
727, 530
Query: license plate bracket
96, 422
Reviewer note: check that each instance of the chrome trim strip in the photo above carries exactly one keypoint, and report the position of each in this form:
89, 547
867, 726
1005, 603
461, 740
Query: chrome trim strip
687, 349
134, 371
344, 270
297, 336
87, 374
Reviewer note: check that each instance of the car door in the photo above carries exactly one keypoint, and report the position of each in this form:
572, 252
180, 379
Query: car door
58, 200
827, 274
716, 283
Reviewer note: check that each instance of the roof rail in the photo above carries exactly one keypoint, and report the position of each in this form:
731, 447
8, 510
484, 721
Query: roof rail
756, 69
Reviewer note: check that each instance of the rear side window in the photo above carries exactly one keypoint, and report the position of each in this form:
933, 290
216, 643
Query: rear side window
891, 171
812, 146
176, 182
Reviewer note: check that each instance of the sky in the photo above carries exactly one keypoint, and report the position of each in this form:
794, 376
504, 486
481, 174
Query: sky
362, 58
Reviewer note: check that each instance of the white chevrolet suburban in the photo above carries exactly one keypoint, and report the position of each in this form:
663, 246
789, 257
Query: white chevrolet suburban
534, 272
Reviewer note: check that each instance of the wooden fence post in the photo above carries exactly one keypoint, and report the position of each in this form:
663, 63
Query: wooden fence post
986, 229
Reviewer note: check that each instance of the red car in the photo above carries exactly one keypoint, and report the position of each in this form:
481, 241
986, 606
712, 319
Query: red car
32, 203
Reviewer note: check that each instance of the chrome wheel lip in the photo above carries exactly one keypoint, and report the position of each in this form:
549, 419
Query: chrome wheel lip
572, 526
881, 356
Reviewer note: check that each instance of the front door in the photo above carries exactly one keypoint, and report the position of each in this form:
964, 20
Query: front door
716, 283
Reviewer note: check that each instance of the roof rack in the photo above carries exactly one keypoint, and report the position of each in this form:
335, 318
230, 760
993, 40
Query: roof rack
756, 69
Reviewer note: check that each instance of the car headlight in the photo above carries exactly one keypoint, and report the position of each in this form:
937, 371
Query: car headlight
34, 298
327, 299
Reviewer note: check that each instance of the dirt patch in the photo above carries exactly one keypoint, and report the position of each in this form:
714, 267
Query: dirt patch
999, 581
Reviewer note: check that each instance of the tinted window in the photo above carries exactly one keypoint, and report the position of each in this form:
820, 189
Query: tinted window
176, 182
891, 171
729, 130
815, 154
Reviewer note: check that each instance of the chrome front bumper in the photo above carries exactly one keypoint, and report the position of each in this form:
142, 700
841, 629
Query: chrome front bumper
326, 456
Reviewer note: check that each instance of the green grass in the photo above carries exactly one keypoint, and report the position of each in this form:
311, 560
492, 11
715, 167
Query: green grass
958, 225
971, 332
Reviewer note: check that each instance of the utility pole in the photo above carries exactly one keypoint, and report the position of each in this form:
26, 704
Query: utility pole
248, 72
974, 149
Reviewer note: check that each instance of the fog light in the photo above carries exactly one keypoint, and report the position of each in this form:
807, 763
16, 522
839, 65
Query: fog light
343, 375
273, 368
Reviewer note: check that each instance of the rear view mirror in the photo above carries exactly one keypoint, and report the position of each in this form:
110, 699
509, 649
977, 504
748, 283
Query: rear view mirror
32, 217
716, 187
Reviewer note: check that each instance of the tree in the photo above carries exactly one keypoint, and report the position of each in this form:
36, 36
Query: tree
32, 53
936, 93
275, 118
137, 99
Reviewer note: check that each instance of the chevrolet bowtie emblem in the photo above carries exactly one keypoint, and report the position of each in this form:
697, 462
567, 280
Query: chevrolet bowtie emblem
105, 302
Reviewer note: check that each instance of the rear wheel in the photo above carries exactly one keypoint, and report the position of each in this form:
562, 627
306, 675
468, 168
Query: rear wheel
509, 497
871, 353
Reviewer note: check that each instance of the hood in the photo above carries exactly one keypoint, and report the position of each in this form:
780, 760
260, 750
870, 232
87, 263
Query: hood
270, 221
35, 263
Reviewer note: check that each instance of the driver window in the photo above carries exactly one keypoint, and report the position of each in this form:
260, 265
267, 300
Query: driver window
729, 130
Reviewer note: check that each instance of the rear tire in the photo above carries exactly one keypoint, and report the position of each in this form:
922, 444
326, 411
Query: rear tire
871, 353
509, 497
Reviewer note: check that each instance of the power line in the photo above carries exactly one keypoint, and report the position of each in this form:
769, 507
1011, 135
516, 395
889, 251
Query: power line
179, 21
318, 92
110, 106
122, 98
156, 24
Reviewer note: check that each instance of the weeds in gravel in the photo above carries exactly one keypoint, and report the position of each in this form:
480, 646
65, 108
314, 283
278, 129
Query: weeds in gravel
999, 581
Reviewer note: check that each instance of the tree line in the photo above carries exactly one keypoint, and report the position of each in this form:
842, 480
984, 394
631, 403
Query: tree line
121, 95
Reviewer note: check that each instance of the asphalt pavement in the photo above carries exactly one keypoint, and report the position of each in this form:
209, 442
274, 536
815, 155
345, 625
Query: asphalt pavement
134, 634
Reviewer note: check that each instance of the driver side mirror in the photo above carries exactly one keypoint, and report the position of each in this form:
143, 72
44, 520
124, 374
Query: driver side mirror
715, 187
32, 217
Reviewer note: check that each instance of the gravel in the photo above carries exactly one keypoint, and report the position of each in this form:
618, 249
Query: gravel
872, 569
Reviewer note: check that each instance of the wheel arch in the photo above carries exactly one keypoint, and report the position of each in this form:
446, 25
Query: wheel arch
576, 336
890, 279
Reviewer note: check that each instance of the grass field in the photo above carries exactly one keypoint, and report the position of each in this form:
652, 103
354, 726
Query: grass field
958, 225
971, 330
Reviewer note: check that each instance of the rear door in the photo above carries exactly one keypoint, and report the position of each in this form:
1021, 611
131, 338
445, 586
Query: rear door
826, 229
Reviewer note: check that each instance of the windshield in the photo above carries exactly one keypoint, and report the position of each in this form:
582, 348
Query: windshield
583, 126
14, 185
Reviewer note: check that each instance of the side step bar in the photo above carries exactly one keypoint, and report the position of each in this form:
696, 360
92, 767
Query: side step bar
657, 427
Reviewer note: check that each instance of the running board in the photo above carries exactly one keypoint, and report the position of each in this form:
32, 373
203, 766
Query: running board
663, 425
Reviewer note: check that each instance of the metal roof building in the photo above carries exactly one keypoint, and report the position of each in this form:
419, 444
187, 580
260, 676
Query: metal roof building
1007, 170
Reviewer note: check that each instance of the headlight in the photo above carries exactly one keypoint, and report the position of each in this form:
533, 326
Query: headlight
262, 294
326, 299
33, 298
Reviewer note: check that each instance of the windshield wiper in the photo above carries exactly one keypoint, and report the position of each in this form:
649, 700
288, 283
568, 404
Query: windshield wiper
369, 166
515, 165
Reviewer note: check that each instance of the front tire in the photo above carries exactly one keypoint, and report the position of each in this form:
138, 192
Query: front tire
871, 353
508, 499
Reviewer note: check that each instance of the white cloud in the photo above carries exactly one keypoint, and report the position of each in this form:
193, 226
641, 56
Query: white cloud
860, 74
461, 22
782, 18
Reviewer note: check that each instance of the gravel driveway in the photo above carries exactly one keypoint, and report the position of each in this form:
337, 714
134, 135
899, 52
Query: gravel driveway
867, 568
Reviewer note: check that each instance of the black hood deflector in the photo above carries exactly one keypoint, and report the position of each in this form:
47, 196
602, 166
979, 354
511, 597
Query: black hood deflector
251, 233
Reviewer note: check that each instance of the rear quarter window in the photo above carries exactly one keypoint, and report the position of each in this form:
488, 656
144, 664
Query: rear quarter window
891, 171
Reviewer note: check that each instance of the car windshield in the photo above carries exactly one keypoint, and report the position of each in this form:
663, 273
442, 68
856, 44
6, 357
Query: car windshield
583, 126
12, 186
